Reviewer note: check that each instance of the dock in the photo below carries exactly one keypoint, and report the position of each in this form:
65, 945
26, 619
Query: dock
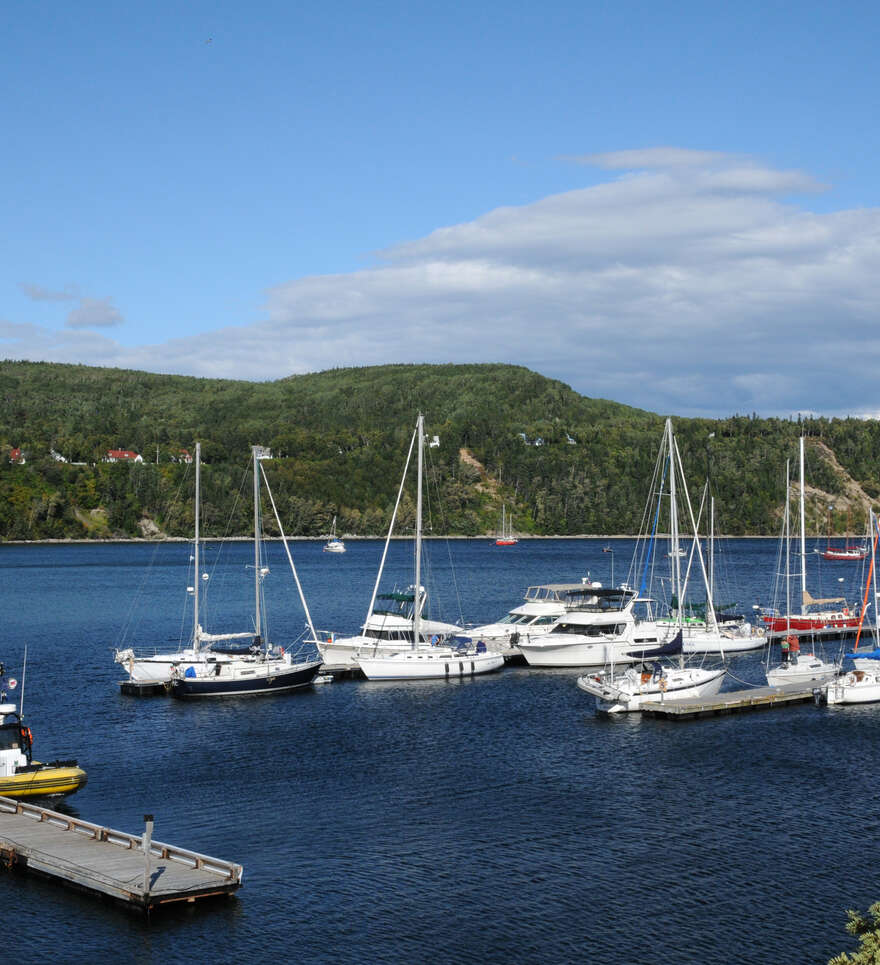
731, 702
134, 870
145, 688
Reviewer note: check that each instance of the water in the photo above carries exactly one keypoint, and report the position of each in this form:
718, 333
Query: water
491, 820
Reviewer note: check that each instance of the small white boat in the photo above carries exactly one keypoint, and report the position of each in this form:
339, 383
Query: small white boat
626, 691
334, 544
854, 687
805, 668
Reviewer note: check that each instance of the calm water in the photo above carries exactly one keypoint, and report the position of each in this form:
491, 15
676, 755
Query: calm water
492, 820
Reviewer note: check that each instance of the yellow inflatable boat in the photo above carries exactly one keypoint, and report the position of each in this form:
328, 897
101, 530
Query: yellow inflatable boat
20, 776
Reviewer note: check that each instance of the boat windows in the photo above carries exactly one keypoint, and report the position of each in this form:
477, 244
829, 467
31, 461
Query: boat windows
10, 738
592, 630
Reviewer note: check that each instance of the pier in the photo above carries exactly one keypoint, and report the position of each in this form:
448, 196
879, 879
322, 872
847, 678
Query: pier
133, 870
731, 702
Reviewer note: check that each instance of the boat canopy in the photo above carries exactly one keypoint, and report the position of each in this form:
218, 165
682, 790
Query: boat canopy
867, 655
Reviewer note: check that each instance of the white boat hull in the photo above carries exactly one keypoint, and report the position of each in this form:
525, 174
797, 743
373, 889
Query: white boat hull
424, 664
855, 687
626, 692
155, 668
555, 651
808, 669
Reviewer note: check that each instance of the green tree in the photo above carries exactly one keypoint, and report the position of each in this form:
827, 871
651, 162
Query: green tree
866, 927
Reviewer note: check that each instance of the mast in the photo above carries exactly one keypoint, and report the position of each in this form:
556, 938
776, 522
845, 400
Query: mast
417, 616
197, 574
787, 528
803, 536
673, 523
257, 620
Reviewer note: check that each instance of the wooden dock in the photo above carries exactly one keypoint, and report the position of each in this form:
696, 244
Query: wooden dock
731, 702
134, 870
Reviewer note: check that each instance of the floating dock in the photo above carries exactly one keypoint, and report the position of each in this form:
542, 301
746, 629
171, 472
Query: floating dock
145, 688
133, 870
731, 702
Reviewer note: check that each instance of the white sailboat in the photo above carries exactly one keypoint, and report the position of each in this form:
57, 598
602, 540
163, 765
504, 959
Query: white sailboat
153, 665
860, 684
424, 659
796, 667
263, 668
334, 544
653, 679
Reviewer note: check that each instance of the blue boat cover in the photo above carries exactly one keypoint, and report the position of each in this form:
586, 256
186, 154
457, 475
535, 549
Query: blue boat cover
864, 654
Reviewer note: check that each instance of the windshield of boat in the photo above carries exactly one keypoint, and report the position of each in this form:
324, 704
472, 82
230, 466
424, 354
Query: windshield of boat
10, 738
514, 618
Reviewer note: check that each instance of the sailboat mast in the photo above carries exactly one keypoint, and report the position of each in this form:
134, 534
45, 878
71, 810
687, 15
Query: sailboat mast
420, 428
673, 522
787, 527
803, 536
257, 621
197, 568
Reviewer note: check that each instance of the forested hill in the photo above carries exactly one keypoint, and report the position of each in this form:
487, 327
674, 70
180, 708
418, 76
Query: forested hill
563, 463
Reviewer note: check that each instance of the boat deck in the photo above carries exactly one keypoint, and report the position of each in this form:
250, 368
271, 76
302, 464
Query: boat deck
102, 861
731, 702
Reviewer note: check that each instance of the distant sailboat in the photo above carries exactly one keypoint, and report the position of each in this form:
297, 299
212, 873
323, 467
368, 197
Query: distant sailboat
506, 538
334, 544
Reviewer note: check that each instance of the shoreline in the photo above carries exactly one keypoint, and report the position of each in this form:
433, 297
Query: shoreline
321, 539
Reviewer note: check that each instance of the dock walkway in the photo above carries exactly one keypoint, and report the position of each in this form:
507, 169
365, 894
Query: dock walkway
731, 702
100, 860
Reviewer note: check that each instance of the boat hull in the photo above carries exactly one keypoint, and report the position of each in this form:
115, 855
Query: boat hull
855, 687
44, 781
422, 665
255, 681
549, 652
629, 692
808, 669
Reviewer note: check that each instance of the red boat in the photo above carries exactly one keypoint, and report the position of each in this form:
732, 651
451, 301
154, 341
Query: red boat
815, 619
845, 553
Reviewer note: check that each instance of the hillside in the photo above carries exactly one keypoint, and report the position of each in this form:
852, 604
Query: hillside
564, 463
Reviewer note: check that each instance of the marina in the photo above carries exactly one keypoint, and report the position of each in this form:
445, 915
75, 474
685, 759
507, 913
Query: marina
428, 792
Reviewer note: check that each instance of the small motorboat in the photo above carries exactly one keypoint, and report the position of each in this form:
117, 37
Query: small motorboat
20, 774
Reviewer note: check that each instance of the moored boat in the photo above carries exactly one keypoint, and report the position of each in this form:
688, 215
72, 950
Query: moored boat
20, 775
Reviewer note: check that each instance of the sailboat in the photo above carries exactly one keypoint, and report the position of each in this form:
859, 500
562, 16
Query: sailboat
846, 553
20, 775
263, 668
334, 544
654, 678
809, 617
506, 538
423, 659
152, 665
796, 668
603, 630
861, 683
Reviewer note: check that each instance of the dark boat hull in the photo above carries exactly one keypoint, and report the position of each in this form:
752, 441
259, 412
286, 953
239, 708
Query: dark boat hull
279, 682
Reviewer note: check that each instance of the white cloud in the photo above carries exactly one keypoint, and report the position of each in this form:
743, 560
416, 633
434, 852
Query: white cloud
688, 285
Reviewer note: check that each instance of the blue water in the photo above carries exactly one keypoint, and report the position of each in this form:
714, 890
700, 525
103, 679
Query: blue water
491, 820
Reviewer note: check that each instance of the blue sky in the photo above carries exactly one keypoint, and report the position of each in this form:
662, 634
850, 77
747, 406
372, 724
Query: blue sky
670, 205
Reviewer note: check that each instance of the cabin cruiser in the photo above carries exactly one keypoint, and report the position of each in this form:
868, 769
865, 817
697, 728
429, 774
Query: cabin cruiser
544, 606
601, 631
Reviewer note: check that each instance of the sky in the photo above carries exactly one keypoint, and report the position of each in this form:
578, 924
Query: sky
673, 206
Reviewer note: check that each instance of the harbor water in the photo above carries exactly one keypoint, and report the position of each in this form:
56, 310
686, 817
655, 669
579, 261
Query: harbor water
497, 819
